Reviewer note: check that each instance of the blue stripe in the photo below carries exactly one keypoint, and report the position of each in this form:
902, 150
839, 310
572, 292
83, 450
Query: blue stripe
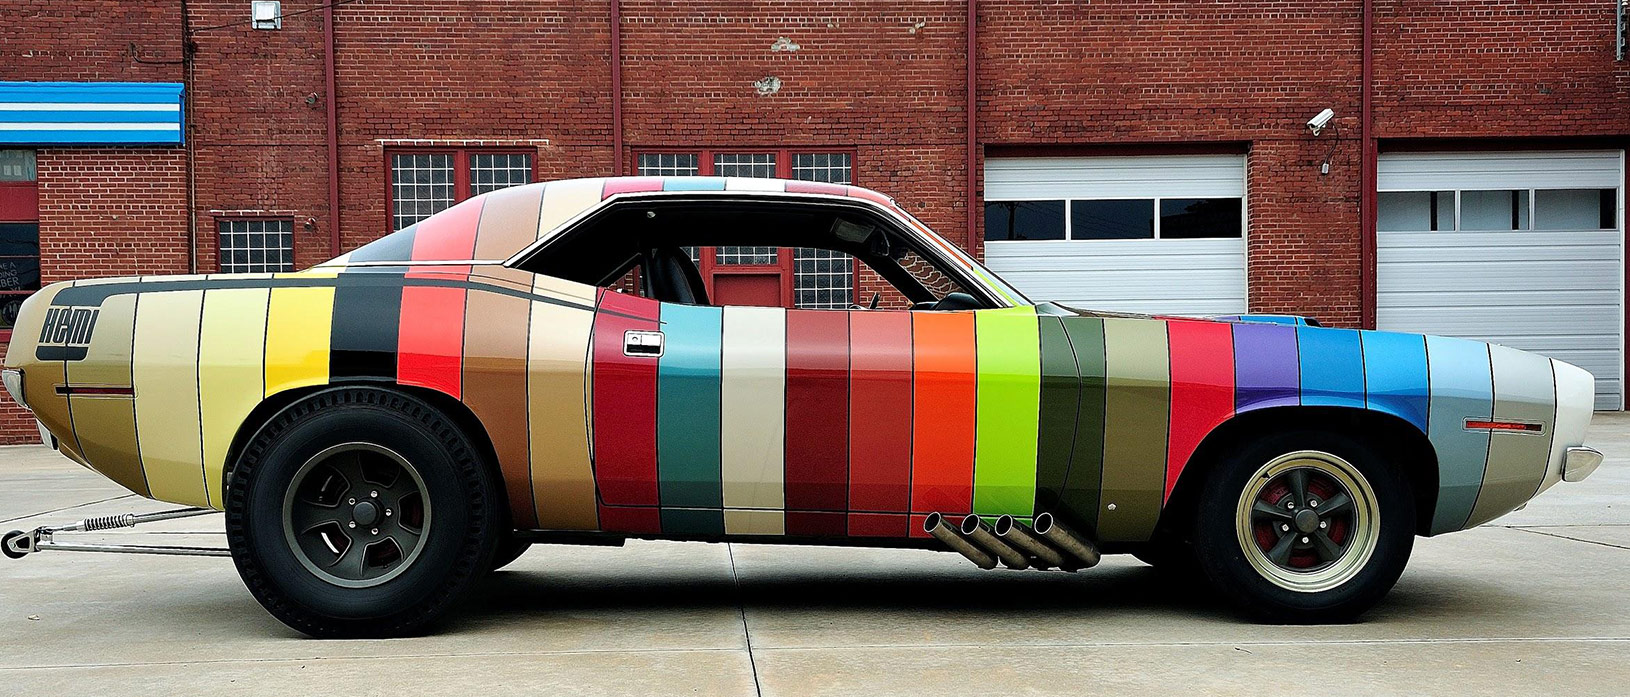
1462, 388
1332, 366
47, 94
693, 184
92, 92
1395, 375
16, 116
688, 407
90, 137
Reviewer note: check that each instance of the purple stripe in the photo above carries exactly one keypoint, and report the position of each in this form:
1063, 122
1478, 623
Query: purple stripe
1265, 366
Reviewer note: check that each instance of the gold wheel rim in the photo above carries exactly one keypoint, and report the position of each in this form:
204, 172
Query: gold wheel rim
1285, 536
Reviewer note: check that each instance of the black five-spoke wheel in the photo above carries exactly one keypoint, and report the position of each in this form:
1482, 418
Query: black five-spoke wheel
356, 514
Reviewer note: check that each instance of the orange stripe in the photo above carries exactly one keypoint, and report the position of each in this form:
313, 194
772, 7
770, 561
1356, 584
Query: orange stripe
944, 390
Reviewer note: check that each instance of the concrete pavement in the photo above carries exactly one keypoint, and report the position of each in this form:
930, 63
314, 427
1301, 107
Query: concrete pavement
1538, 602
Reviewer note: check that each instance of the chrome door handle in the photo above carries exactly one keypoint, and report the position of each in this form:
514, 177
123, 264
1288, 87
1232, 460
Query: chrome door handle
642, 343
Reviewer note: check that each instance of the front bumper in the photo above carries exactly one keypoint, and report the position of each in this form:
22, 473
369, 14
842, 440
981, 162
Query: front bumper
1580, 462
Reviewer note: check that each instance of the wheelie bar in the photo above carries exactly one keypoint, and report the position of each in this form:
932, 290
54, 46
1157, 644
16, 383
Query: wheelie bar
18, 544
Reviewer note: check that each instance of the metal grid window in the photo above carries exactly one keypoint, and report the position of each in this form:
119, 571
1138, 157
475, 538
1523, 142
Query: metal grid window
833, 168
490, 172
737, 255
754, 164
256, 246
668, 164
421, 186
822, 279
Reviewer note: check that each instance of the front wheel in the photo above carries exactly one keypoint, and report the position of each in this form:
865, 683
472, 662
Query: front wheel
361, 513
1304, 528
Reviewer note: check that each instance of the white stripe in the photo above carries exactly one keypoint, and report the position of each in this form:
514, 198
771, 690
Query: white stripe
24, 126
86, 106
752, 397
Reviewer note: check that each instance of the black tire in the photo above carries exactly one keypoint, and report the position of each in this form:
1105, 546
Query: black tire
461, 527
510, 549
1344, 580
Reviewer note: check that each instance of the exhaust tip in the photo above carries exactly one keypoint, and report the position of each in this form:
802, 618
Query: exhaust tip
1042, 523
1004, 525
970, 523
932, 521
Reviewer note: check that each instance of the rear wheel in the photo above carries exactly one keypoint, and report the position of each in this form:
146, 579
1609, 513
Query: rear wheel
1306, 527
509, 550
361, 512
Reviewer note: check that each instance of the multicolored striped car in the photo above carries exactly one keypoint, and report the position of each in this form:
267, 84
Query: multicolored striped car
542, 364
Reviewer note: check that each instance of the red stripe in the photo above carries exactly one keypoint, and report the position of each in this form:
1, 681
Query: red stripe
1202, 368
878, 525
430, 338
629, 185
870, 195
450, 234
880, 408
646, 520
625, 404
914, 526
816, 523
796, 187
944, 390
817, 447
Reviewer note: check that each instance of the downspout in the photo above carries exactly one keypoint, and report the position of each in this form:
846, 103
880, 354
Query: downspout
332, 102
617, 87
187, 144
974, 245
1367, 177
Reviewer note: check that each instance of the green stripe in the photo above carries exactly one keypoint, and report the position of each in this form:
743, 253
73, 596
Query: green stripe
1060, 397
688, 402
1009, 355
1086, 336
1136, 410
692, 521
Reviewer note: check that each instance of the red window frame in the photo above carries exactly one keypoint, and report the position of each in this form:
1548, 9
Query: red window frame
294, 240
461, 170
705, 167
20, 203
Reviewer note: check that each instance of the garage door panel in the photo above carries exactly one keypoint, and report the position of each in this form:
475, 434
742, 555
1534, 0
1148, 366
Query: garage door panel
1160, 276
1557, 293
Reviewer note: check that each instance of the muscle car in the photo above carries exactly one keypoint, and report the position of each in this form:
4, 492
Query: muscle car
542, 364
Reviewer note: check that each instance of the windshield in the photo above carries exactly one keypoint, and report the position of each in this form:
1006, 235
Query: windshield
961, 258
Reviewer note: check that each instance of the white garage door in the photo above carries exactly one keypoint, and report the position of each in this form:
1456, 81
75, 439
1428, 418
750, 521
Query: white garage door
1522, 249
1161, 234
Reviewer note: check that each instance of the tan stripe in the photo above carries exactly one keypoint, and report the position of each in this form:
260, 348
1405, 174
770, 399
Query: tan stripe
106, 426
164, 373
495, 339
231, 371
557, 386
752, 405
1524, 390
564, 200
509, 222
743, 522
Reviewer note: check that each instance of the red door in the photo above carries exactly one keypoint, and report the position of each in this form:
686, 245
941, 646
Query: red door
747, 276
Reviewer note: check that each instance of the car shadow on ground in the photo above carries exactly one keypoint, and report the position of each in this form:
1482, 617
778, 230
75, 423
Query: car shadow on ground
1112, 590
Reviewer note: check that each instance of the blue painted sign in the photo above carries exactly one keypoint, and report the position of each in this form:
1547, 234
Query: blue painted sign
90, 113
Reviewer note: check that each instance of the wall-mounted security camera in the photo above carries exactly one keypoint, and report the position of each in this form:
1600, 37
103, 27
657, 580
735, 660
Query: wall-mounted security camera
1317, 123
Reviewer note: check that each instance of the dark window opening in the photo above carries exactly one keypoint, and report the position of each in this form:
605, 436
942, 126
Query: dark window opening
1024, 220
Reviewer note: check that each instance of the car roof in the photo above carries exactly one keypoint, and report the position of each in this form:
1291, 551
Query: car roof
495, 226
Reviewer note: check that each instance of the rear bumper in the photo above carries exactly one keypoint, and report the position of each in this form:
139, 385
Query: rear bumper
1580, 462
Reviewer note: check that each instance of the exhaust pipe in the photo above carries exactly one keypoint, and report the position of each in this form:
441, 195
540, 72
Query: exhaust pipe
1084, 552
936, 526
980, 534
1013, 532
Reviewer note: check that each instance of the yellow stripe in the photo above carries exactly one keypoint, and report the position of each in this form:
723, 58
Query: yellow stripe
230, 373
298, 322
164, 373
